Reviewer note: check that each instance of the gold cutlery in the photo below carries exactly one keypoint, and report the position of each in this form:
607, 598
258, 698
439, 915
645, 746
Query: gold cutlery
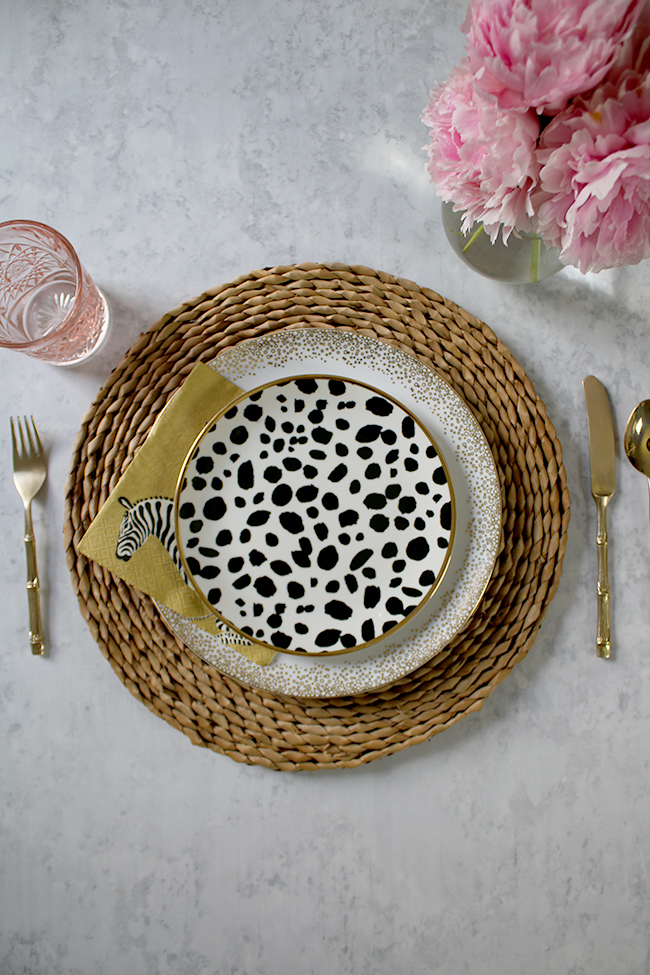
637, 439
603, 485
29, 474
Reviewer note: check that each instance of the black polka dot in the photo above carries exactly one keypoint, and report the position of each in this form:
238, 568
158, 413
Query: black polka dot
348, 517
245, 476
418, 548
371, 596
282, 495
265, 586
338, 473
292, 522
368, 630
351, 582
253, 412
307, 386
407, 504
337, 609
280, 567
281, 640
360, 559
204, 465
379, 406
258, 518
368, 433
239, 435
214, 508
327, 638
328, 557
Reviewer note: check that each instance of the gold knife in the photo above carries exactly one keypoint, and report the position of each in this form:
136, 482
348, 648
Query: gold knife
603, 485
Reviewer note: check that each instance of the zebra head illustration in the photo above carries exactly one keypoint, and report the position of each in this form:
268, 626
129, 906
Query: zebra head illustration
155, 516
151, 516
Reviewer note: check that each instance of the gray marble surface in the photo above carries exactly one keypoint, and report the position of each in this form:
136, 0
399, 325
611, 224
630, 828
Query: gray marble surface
179, 145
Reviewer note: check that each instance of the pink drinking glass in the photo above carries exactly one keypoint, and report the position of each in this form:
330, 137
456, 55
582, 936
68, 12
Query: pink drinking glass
49, 307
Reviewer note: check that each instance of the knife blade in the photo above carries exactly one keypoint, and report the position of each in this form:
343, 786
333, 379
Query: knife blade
603, 485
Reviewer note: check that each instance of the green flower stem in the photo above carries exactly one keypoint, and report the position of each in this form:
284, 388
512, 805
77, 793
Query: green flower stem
474, 237
534, 259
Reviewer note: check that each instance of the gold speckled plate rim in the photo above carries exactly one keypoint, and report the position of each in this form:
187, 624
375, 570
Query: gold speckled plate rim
414, 385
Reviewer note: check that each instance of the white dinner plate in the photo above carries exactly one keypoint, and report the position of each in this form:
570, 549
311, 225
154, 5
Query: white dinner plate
314, 515
421, 391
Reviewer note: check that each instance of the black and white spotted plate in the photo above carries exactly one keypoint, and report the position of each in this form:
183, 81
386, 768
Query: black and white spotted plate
290, 352
315, 515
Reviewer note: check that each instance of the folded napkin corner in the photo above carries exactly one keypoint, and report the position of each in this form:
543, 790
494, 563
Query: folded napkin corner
133, 534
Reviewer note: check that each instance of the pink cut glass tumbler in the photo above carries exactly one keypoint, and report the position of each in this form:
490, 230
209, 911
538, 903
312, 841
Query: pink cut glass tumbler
49, 307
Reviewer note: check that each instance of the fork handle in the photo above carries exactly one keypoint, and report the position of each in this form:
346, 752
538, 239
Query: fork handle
33, 588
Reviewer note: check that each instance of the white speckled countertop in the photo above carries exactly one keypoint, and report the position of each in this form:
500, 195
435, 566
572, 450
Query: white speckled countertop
179, 145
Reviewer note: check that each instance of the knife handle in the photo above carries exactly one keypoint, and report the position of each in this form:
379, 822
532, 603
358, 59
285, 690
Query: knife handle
602, 626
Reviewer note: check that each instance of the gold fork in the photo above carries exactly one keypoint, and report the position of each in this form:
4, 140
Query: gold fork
29, 474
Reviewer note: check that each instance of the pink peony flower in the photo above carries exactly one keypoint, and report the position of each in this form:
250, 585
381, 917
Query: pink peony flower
635, 52
481, 158
539, 53
593, 201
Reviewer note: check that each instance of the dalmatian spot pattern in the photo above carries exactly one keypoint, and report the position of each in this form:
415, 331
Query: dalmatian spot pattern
315, 515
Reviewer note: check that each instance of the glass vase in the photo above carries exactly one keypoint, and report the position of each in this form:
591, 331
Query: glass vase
523, 260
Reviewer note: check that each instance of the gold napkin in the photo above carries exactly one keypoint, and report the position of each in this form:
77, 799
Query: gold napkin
151, 478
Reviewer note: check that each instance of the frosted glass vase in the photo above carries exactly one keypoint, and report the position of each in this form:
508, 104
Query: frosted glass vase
523, 260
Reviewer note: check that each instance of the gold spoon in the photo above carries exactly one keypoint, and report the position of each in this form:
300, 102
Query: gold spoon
637, 439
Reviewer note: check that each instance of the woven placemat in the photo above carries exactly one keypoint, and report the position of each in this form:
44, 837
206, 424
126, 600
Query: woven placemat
287, 733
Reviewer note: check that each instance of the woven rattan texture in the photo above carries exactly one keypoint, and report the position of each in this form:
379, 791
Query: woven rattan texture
287, 733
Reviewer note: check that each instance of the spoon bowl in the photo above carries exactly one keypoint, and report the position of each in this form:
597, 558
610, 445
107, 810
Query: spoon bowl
637, 439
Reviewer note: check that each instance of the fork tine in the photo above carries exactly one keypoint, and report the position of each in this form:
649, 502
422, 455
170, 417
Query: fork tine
28, 434
38, 450
22, 437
